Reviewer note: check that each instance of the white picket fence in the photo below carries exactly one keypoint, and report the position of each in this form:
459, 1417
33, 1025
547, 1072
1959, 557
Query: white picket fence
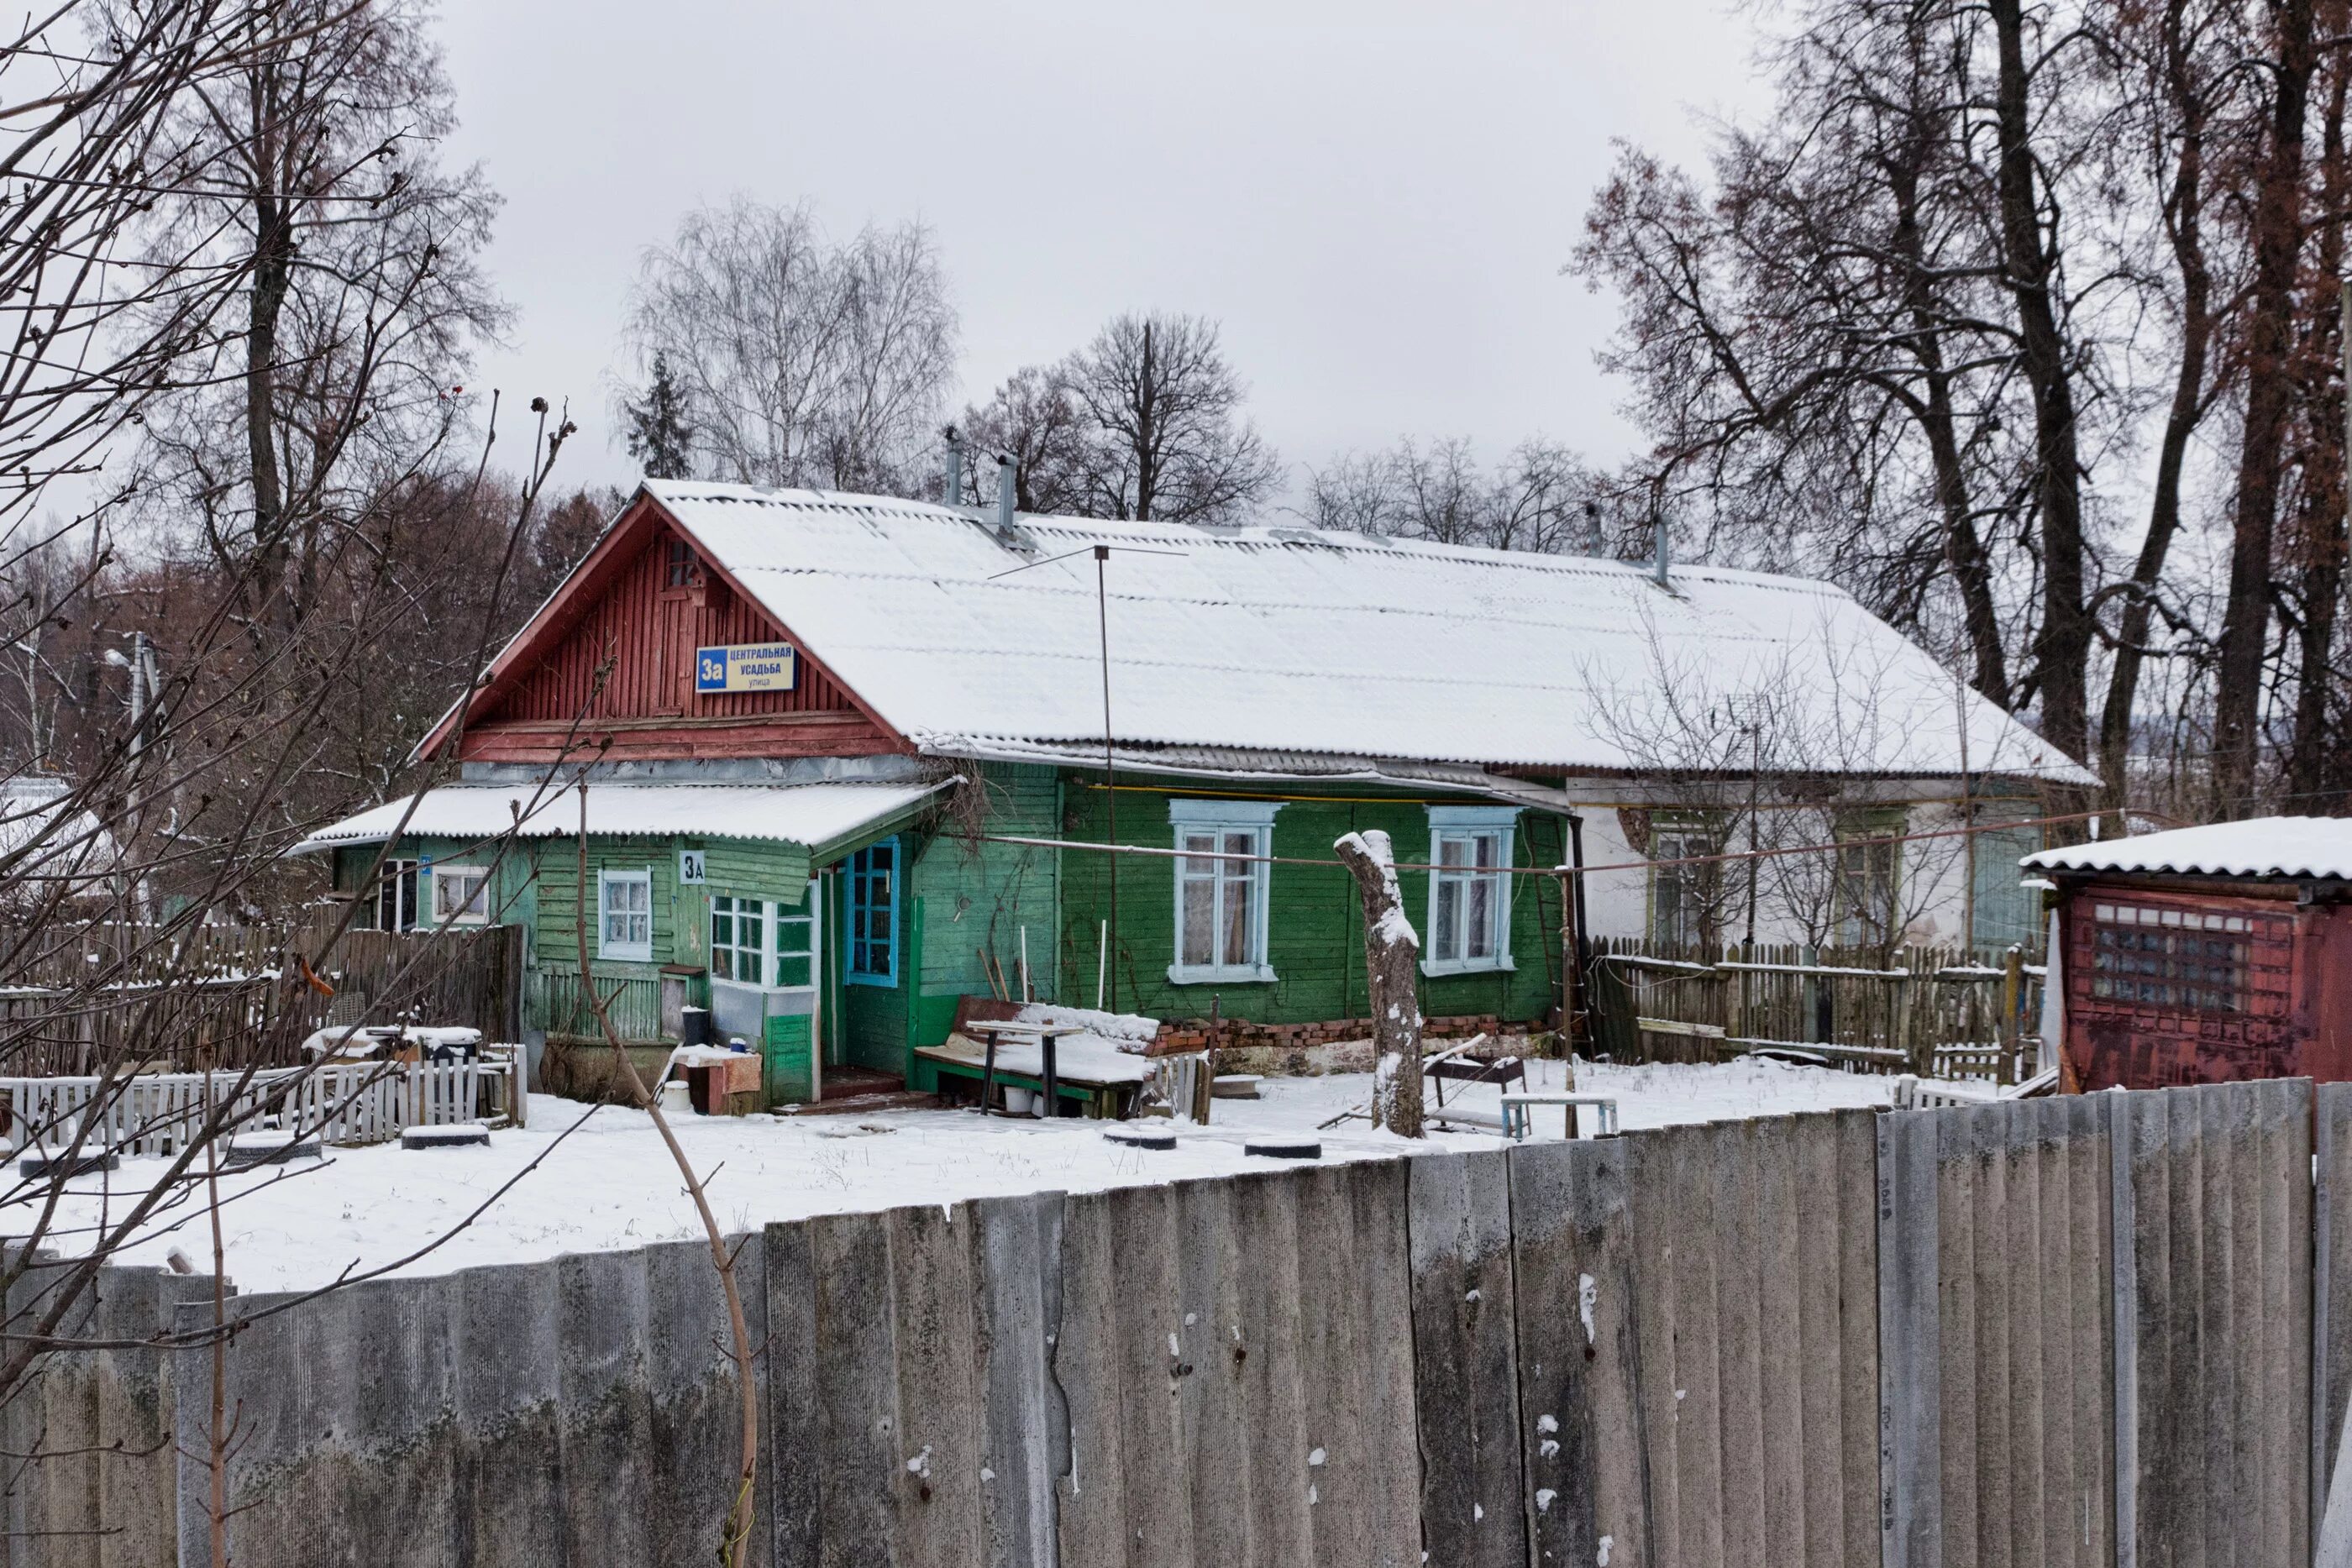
340, 1102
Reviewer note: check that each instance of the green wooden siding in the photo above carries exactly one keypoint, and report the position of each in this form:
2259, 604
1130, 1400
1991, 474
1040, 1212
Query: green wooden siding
970, 899
1314, 929
958, 901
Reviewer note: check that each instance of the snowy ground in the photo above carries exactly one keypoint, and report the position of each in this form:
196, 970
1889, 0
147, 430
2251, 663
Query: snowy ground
609, 1184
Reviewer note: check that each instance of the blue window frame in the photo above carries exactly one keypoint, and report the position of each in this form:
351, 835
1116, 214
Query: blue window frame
873, 946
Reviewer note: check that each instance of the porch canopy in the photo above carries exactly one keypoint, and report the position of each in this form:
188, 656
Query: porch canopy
825, 821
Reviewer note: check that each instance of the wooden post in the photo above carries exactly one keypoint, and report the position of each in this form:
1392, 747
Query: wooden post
1571, 989
2012, 994
1393, 964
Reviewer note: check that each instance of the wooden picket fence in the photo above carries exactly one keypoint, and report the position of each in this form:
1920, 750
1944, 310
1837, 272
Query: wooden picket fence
337, 1102
1931, 1011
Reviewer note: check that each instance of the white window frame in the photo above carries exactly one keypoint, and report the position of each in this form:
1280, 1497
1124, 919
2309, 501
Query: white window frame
396, 894
1676, 842
763, 955
608, 878
1220, 817
1470, 823
477, 909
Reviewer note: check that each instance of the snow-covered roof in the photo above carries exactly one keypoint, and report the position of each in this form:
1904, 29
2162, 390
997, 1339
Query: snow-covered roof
816, 815
2261, 846
46, 838
1299, 640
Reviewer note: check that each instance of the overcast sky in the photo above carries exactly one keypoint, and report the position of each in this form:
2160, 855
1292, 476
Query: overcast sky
1374, 198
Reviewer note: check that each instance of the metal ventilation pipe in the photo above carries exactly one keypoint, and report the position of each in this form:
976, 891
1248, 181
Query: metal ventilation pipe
1004, 492
952, 489
1664, 560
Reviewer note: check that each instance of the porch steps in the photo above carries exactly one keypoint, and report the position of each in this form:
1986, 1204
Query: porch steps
847, 1082
863, 1104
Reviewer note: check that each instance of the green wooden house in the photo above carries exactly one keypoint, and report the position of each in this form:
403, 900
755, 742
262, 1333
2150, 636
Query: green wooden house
843, 761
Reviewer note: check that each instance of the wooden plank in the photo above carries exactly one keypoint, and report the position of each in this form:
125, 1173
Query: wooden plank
1466, 1373
1155, 1444
1267, 1368
1339, 1483
1909, 1333
2331, 1387
1380, 1199
1557, 1294
855, 1353
1090, 1515
938, 1400
1742, 1418
1216, 1421
1781, 1431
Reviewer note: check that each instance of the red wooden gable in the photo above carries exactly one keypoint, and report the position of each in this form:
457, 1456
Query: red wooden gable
636, 610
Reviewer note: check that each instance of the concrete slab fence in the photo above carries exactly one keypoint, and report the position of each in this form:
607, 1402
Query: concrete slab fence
2106, 1330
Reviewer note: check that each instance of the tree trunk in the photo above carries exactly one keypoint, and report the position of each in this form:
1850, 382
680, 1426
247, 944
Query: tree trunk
2063, 652
1393, 962
2186, 223
2270, 394
2321, 520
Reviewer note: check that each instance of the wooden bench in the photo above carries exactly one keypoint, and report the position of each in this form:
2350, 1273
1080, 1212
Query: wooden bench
1518, 1120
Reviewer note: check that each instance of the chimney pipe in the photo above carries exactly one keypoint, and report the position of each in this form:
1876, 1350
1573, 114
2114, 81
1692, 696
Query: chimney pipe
1659, 526
951, 492
1004, 492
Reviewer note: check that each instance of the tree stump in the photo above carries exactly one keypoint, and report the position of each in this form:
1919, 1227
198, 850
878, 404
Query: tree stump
1393, 962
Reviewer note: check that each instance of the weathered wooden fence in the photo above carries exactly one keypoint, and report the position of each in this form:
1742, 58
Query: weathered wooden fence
236, 996
339, 1102
558, 1005
2113, 1330
1936, 1012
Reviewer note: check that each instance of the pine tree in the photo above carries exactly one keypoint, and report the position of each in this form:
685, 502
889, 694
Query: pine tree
659, 436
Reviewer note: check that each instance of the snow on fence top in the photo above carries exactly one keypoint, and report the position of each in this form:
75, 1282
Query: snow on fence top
1298, 639
2261, 846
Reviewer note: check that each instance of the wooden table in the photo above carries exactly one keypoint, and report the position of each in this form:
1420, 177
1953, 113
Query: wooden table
1046, 1035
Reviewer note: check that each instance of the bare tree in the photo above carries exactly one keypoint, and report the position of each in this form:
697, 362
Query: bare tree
799, 361
1033, 419
363, 299
1168, 442
1540, 498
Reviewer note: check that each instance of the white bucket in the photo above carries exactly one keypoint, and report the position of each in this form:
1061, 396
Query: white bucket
1017, 1101
676, 1098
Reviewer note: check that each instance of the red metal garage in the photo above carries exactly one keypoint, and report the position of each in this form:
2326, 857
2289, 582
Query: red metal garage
2206, 954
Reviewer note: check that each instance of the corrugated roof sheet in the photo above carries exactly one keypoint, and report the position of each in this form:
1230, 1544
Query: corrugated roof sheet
812, 814
2259, 847
1298, 640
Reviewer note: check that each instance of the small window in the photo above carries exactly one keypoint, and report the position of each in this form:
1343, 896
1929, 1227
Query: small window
461, 895
874, 915
396, 896
680, 564
1685, 898
795, 946
2007, 910
1868, 876
2186, 967
1469, 900
625, 902
1222, 882
738, 939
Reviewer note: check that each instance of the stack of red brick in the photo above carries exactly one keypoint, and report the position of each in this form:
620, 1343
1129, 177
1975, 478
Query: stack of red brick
1240, 1034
